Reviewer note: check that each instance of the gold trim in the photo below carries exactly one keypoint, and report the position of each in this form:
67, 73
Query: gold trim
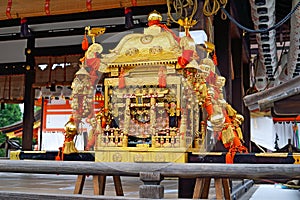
271, 155
14, 155
296, 158
131, 64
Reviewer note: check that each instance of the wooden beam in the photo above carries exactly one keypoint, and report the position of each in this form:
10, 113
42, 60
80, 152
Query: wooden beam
265, 99
36, 8
289, 106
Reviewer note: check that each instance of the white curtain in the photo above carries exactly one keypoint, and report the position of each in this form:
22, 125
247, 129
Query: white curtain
51, 141
263, 132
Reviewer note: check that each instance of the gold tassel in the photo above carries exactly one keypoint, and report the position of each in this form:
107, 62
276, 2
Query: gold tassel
227, 135
240, 134
231, 112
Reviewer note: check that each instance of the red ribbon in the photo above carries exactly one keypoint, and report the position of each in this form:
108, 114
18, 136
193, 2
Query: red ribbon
8, 9
89, 5
47, 7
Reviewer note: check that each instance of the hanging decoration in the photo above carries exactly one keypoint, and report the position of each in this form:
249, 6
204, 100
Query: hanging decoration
47, 7
8, 9
128, 18
85, 42
89, 5
25, 30
86, 78
215, 59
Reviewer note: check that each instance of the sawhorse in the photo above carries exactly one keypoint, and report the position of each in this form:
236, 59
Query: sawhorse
202, 186
98, 184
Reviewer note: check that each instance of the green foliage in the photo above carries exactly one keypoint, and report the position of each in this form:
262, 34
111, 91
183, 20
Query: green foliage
10, 114
2, 140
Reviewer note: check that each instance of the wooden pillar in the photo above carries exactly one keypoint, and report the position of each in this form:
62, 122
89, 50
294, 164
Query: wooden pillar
240, 84
199, 16
237, 82
151, 188
28, 116
246, 113
222, 41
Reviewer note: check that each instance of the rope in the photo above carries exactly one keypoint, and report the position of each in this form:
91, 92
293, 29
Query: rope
261, 30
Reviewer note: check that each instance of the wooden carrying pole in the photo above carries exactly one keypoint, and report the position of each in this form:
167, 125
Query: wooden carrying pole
183, 170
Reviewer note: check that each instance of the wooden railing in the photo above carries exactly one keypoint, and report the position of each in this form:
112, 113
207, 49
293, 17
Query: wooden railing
153, 173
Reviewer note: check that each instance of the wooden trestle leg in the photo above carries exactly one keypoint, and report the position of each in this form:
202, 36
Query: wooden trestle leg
79, 184
202, 186
99, 184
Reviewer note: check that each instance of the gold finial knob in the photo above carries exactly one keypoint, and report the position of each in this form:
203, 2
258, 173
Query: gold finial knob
154, 15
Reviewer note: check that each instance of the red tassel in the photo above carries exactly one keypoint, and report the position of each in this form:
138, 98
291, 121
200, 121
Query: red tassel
214, 58
8, 9
84, 43
103, 122
47, 7
59, 155
89, 5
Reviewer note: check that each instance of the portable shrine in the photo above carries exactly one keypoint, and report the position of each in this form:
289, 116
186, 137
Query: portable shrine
155, 89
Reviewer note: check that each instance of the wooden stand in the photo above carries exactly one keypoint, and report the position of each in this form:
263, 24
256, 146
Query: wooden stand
202, 186
99, 184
